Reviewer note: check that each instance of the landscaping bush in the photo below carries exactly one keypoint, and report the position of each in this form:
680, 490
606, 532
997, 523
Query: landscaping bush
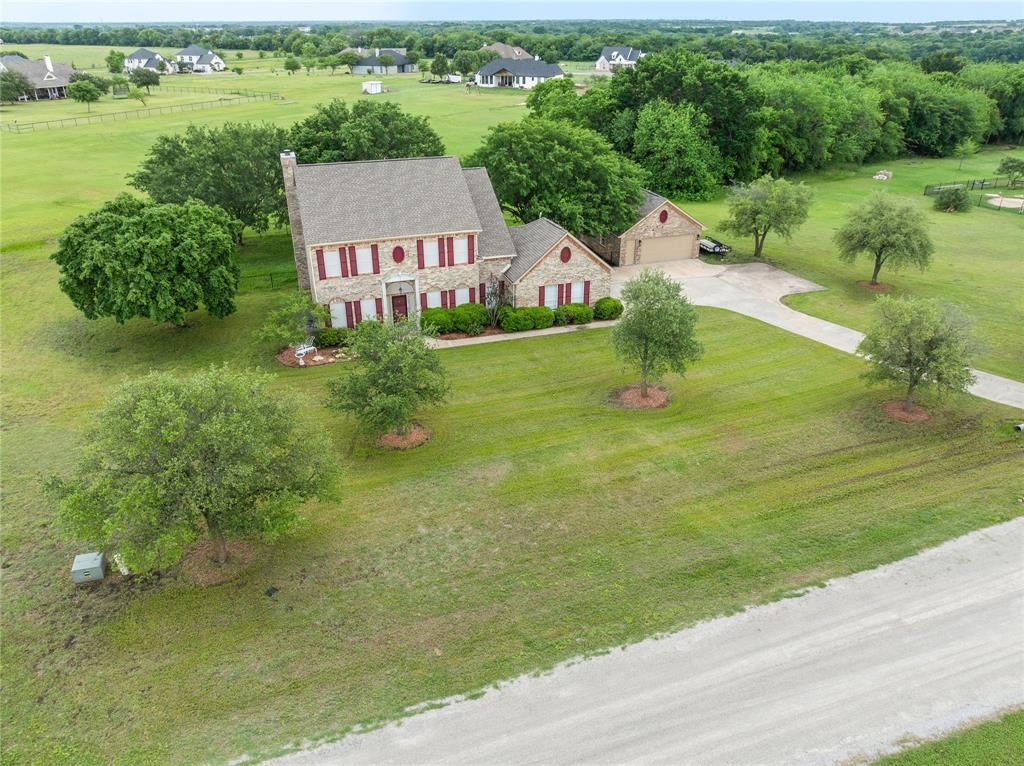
573, 313
608, 308
540, 316
333, 336
437, 320
470, 318
514, 320
955, 200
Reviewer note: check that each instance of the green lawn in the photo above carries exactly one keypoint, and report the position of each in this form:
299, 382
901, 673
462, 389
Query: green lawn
539, 523
995, 743
978, 262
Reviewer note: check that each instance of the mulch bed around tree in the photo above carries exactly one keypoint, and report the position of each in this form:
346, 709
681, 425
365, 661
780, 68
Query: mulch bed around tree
326, 355
417, 435
881, 287
895, 411
461, 335
628, 397
201, 568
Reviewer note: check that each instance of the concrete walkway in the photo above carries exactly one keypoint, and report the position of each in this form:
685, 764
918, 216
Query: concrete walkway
859, 668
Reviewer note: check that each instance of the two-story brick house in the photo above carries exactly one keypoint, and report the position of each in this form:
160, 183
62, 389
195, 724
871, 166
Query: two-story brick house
390, 238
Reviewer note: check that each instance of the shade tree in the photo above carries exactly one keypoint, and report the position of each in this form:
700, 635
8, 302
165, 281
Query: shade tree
889, 232
671, 143
84, 92
767, 205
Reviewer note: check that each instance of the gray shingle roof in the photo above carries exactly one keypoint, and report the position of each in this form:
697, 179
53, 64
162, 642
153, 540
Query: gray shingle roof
630, 54
400, 58
494, 239
521, 67
380, 199
142, 53
651, 201
533, 241
192, 50
37, 73
506, 51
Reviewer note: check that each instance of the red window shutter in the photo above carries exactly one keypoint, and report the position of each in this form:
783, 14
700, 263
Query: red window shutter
472, 295
350, 316
320, 270
451, 251
343, 260
568, 292
540, 299
376, 259
451, 299
358, 308
419, 252
444, 299
586, 292
352, 267
483, 293
327, 308
561, 293
472, 253
440, 251
423, 301
380, 308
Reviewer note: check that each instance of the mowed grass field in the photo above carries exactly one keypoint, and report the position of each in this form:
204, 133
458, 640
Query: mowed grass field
994, 743
538, 523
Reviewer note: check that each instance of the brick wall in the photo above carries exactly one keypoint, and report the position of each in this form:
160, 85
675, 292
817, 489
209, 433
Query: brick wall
550, 270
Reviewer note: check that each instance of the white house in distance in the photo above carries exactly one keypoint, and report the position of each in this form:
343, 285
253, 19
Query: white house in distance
197, 59
516, 73
506, 51
143, 58
615, 56
48, 80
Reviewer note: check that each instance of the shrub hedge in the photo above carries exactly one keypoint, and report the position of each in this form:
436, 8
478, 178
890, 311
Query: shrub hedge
333, 336
470, 318
573, 313
955, 199
525, 318
608, 308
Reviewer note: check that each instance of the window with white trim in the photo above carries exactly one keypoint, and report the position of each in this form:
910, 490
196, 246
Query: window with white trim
460, 248
338, 318
434, 299
577, 292
364, 260
461, 295
430, 252
332, 263
368, 307
551, 296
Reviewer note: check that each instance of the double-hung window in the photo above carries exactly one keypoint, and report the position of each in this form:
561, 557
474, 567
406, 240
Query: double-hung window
367, 306
461, 295
551, 296
364, 260
460, 248
332, 263
338, 317
430, 253
577, 293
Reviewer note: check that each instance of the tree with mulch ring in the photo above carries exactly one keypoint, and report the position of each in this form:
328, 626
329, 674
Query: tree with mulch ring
878, 287
394, 375
170, 461
890, 232
655, 335
200, 564
918, 343
296, 318
629, 398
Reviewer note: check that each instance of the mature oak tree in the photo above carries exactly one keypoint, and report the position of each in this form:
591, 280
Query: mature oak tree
368, 130
561, 171
766, 205
918, 342
656, 333
84, 92
671, 143
144, 78
236, 166
394, 375
890, 232
135, 258
169, 460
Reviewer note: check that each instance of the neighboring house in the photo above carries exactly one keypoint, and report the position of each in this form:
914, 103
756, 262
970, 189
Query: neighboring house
200, 60
662, 232
613, 57
143, 58
369, 63
516, 73
48, 79
390, 238
506, 51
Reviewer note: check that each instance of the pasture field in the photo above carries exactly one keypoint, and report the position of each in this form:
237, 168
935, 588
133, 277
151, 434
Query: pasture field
993, 743
538, 523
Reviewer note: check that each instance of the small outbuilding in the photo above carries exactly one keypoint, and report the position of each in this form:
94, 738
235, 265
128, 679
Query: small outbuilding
663, 232
373, 87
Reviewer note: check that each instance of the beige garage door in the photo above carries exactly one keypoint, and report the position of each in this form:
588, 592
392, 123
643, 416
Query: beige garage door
655, 249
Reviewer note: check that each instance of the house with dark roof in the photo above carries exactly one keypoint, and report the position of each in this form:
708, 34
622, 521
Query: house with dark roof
369, 62
197, 59
48, 80
143, 58
615, 56
420, 233
516, 73
662, 232
506, 51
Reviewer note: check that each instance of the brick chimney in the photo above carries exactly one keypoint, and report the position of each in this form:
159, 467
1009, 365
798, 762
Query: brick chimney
288, 164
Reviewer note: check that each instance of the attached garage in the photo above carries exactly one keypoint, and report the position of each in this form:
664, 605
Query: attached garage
663, 232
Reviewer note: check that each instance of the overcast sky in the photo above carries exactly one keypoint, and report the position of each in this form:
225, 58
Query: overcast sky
146, 11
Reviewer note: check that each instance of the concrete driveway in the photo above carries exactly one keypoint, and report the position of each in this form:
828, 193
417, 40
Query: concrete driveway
858, 668
755, 290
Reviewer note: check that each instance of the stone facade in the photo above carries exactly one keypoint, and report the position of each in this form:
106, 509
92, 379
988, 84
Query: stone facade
288, 163
549, 270
626, 249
